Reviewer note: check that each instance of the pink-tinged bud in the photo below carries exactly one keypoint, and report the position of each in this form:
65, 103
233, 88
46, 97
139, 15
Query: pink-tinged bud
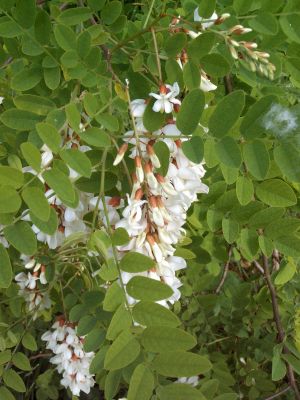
155, 248
263, 54
222, 18
138, 194
249, 45
43, 268
152, 201
121, 153
233, 53
139, 169
151, 180
178, 143
114, 201
239, 30
234, 42
134, 177
153, 157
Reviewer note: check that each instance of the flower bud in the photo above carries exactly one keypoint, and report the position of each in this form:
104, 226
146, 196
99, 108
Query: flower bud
121, 153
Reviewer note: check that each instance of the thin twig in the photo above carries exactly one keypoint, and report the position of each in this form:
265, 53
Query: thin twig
228, 83
157, 54
225, 272
279, 327
259, 267
275, 395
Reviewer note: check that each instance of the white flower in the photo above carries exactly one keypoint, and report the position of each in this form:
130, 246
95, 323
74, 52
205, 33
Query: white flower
210, 21
138, 107
70, 359
1, 99
206, 85
166, 99
192, 380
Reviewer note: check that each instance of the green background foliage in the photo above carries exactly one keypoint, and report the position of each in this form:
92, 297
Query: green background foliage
64, 63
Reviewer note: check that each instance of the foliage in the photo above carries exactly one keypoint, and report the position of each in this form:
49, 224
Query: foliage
69, 72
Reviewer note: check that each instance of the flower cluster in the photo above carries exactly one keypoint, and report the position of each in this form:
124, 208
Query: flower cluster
31, 287
69, 357
156, 208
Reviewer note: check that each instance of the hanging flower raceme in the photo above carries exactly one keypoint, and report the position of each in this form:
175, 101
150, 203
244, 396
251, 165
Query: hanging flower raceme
71, 361
156, 208
33, 287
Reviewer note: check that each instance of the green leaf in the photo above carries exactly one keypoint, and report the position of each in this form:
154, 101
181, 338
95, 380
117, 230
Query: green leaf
5, 357
142, 288
147, 313
14, 381
120, 237
21, 237
26, 79
78, 161
288, 245
201, 46
241, 6
94, 339
153, 120
180, 363
19, 119
112, 382
86, 324
73, 116
228, 152
266, 245
276, 193
141, 384
42, 27
28, 341
175, 43
84, 46
35, 199
111, 12
191, 75
52, 77
252, 125
49, 135
9, 28
97, 363
50, 226
65, 37
206, 8
156, 339
35, 104
5, 268
227, 396
136, 262
264, 217
215, 65
244, 190
69, 59
74, 16
10, 201
249, 243
293, 361
256, 158
163, 153
11, 177
190, 112
120, 321
231, 229
264, 23
32, 155
21, 361
122, 352
179, 391
193, 149
5, 394
286, 273
25, 13
278, 366
226, 114
95, 137
61, 185
113, 298
287, 158
291, 26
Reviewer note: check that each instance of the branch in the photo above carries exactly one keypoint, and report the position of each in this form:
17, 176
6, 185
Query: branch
279, 327
275, 395
228, 83
225, 272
